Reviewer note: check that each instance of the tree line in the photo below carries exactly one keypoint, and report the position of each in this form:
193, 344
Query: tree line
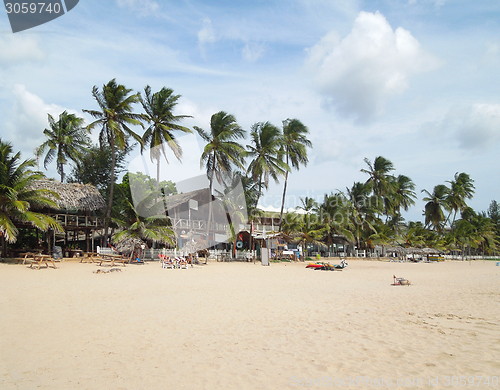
364, 215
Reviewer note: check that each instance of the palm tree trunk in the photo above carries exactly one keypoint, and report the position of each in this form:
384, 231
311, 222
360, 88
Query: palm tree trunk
157, 174
210, 203
260, 192
111, 190
62, 171
284, 193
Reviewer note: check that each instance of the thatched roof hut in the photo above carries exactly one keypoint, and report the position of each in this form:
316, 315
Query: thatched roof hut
129, 245
193, 247
72, 196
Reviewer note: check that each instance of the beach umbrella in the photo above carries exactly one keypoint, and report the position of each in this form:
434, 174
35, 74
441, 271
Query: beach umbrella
129, 244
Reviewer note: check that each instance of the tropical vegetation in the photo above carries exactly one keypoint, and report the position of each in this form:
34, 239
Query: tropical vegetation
364, 216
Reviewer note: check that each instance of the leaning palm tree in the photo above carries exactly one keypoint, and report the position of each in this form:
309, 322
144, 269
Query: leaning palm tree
114, 118
294, 149
163, 123
266, 151
221, 152
66, 140
17, 198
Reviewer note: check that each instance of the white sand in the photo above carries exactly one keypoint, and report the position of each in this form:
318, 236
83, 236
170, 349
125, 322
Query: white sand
245, 326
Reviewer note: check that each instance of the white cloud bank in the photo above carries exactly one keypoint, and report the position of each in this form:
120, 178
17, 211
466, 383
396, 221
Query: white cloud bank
358, 74
29, 119
16, 48
474, 127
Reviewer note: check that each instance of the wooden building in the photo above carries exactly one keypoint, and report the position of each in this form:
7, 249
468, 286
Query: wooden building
79, 212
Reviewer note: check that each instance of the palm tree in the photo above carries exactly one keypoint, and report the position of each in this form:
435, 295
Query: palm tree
221, 152
379, 174
66, 140
404, 194
435, 206
295, 143
17, 198
291, 223
142, 220
162, 124
461, 189
265, 150
309, 233
362, 209
115, 116
334, 216
307, 205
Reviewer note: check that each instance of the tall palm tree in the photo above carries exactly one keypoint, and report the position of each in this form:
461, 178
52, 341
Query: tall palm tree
159, 108
115, 116
17, 198
379, 174
404, 194
461, 188
266, 151
435, 207
66, 140
294, 149
221, 152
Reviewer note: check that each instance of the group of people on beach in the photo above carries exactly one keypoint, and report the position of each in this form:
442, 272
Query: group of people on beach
176, 262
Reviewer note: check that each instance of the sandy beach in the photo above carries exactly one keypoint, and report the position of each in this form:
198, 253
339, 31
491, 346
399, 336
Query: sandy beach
245, 326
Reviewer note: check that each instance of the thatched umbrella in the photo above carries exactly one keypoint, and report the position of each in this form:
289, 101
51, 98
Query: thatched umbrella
192, 247
129, 245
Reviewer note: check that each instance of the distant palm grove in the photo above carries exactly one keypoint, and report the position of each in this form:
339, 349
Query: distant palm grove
367, 214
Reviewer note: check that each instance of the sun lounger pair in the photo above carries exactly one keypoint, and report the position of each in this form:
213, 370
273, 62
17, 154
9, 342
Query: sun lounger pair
178, 262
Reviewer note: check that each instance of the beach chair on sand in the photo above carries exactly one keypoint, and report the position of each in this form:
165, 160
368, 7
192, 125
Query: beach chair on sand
166, 262
183, 264
400, 281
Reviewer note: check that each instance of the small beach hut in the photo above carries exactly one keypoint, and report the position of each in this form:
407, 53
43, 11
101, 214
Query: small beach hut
78, 210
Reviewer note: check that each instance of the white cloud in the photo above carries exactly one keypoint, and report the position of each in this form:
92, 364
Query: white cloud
474, 127
253, 51
359, 73
29, 119
142, 6
16, 48
206, 35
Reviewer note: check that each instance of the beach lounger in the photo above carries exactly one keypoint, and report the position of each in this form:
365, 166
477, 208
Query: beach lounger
400, 281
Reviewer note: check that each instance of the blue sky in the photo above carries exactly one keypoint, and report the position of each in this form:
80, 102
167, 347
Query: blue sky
415, 81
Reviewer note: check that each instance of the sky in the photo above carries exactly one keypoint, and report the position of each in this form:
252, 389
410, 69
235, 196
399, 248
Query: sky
414, 81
